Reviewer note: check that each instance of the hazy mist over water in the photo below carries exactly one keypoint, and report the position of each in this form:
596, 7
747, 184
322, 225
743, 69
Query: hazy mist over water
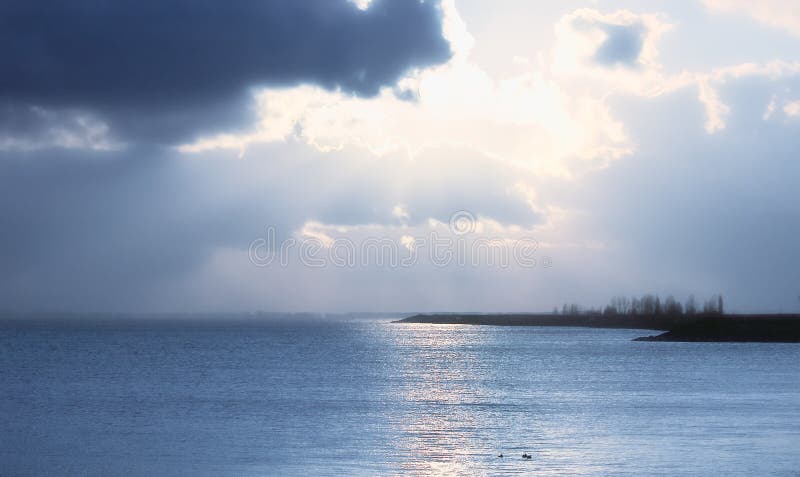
375, 398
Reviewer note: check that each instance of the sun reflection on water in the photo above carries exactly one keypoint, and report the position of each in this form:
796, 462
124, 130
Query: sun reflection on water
462, 406
441, 379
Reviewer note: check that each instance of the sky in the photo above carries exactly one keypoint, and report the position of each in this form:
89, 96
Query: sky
397, 155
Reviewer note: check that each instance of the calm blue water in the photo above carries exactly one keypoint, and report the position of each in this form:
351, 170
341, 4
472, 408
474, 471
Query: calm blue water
374, 398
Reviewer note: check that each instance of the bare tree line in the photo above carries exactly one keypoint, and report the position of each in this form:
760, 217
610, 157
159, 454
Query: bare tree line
650, 305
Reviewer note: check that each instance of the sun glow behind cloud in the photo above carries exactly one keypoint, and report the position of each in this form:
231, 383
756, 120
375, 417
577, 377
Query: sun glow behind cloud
527, 119
547, 119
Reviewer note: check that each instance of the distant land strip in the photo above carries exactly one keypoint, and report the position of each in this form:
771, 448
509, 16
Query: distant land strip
783, 328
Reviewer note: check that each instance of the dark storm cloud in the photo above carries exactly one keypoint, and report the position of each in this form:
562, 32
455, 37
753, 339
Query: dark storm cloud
159, 71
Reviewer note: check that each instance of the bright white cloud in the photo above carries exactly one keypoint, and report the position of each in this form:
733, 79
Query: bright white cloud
408, 242
783, 14
315, 231
629, 62
400, 211
620, 48
361, 4
792, 108
708, 83
479, 228
551, 120
455, 30
770, 109
716, 110
527, 120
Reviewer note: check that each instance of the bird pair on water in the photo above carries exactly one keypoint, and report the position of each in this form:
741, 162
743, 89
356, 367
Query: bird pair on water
524, 455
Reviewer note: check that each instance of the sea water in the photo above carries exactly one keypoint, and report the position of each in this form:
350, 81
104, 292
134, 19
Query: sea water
376, 398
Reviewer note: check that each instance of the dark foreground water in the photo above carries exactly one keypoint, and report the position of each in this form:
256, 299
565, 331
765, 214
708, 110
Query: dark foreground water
381, 399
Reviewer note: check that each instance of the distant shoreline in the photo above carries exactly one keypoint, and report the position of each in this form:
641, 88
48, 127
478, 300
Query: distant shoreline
778, 328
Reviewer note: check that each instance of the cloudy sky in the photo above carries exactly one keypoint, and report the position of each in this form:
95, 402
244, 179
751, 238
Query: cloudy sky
160, 156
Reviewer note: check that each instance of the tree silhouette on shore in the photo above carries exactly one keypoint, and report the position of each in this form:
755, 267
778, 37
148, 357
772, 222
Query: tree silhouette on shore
649, 305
